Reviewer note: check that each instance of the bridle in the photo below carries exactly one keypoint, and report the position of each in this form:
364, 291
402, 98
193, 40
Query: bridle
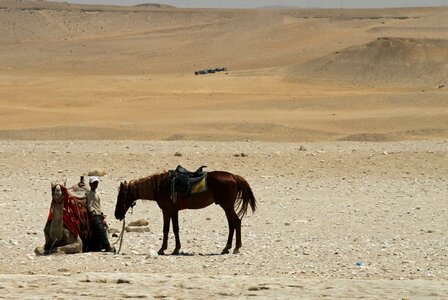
134, 202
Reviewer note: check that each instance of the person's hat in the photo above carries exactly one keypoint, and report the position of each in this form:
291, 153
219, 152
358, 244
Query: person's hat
93, 179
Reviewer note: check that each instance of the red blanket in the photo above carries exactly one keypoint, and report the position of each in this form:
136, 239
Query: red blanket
70, 216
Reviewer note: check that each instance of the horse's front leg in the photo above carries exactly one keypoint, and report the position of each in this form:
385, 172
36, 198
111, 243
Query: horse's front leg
175, 219
166, 230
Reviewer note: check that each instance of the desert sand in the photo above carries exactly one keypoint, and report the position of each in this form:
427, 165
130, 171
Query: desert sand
342, 117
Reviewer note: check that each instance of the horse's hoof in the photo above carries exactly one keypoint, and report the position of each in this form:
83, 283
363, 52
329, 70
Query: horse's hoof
161, 252
236, 251
225, 251
175, 252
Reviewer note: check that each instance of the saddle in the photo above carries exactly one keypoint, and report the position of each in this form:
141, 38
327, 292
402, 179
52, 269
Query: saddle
186, 182
79, 190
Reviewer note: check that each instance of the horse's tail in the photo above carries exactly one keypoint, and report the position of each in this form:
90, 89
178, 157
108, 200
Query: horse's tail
244, 197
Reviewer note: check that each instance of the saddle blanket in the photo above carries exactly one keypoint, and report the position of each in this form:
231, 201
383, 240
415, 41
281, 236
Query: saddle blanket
181, 200
200, 186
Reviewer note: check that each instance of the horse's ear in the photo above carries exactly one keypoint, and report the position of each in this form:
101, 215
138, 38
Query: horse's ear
121, 185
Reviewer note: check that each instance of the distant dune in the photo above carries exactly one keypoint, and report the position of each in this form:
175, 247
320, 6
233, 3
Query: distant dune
384, 62
278, 7
89, 39
154, 5
112, 72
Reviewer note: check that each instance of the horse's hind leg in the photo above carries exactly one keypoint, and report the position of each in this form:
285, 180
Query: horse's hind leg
232, 220
238, 236
229, 239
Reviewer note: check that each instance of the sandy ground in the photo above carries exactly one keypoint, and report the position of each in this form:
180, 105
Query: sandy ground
321, 212
342, 116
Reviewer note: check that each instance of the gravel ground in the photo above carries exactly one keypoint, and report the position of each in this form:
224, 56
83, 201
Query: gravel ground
340, 219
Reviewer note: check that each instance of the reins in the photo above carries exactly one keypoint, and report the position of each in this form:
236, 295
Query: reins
120, 238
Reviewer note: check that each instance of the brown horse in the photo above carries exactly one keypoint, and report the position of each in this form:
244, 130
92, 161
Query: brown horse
223, 188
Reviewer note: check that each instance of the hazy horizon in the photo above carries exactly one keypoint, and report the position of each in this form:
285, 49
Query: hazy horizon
267, 3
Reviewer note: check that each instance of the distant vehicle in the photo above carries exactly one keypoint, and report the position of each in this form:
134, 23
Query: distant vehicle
210, 71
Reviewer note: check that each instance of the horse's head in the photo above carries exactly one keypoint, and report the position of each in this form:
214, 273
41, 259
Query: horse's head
57, 191
125, 200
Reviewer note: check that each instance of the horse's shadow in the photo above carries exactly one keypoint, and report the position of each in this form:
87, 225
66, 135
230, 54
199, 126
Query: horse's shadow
194, 254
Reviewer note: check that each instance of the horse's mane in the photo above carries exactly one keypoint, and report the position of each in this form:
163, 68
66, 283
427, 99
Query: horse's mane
148, 187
